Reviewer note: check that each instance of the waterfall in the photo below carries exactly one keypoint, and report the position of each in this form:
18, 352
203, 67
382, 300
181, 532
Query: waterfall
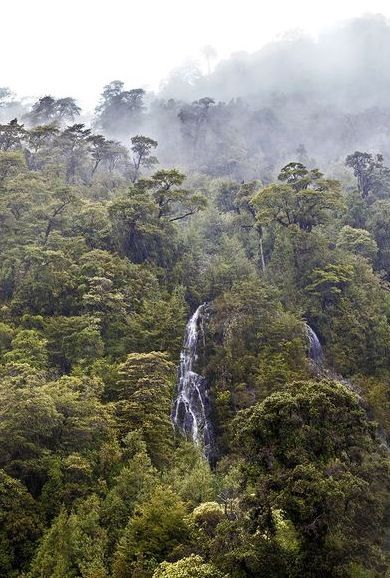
315, 348
191, 412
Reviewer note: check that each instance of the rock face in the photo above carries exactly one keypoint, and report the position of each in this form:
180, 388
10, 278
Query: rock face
191, 412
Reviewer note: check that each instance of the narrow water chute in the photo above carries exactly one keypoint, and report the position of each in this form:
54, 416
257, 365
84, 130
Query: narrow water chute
316, 353
191, 412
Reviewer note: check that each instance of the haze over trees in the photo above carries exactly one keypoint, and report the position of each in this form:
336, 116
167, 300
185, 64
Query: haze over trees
271, 204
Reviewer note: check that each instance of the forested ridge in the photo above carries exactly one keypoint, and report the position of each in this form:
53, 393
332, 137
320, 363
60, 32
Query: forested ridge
106, 250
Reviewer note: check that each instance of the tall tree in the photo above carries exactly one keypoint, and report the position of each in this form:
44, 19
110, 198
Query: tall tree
47, 110
141, 147
75, 545
143, 390
20, 526
11, 135
152, 534
372, 176
304, 198
173, 202
194, 118
120, 110
73, 144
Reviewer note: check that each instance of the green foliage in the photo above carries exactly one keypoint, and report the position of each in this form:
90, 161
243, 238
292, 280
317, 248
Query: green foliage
143, 392
379, 226
11, 163
132, 485
207, 516
259, 347
353, 314
74, 546
20, 526
101, 260
142, 157
357, 241
28, 347
157, 528
160, 324
306, 199
190, 475
309, 451
191, 567
39, 421
371, 174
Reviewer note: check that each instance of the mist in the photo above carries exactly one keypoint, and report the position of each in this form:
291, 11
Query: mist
302, 98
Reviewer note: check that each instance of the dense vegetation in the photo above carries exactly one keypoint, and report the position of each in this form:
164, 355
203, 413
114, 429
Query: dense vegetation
104, 253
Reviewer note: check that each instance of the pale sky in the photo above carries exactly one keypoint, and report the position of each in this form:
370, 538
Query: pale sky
74, 47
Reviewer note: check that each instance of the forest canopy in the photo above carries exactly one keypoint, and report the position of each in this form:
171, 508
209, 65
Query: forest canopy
267, 213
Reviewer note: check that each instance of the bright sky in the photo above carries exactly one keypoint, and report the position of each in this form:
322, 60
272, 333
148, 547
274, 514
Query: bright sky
74, 47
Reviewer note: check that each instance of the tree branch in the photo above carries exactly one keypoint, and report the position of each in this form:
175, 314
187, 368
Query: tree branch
182, 216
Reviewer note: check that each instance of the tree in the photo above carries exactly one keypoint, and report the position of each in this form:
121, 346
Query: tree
190, 475
48, 110
310, 451
120, 110
43, 111
29, 424
142, 219
258, 348
20, 526
41, 419
155, 530
173, 202
49, 285
107, 152
194, 119
142, 147
143, 391
67, 109
74, 545
28, 347
379, 226
304, 199
207, 516
191, 567
159, 323
134, 482
73, 144
85, 422
330, 282
62, 198
372, 176
244, 206
357, 241
349, 306
39, 138
12, 135
137, 233
99, 149
115, 153
11, 163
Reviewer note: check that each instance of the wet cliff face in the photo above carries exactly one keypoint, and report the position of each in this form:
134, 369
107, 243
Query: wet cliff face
191, 412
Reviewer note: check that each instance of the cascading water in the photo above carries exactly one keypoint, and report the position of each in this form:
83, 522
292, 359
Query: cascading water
315, 348
191, 412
